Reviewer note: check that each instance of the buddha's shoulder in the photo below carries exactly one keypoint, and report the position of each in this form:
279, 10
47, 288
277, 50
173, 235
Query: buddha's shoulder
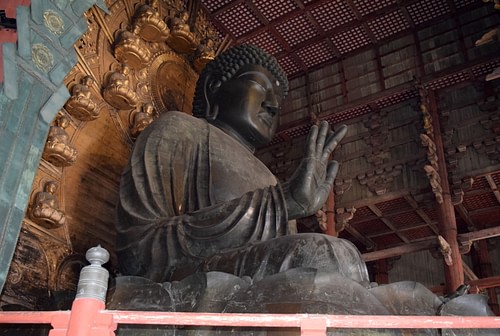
178, 122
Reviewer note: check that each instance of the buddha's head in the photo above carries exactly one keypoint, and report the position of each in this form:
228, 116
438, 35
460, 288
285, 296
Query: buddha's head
50, 187
241, 92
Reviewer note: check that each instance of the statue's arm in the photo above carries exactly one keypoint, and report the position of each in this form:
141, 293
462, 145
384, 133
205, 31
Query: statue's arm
308, 188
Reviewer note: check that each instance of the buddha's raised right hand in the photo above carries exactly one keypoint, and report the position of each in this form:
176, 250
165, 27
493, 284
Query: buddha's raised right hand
308, 188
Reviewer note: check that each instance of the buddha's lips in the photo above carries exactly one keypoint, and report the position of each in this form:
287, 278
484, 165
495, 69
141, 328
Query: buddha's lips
266, 118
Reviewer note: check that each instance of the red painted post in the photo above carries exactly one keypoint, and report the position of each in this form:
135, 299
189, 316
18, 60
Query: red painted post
313, 327
454, 274
88, 317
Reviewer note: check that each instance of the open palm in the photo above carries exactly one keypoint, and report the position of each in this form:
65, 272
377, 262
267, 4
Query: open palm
308, 188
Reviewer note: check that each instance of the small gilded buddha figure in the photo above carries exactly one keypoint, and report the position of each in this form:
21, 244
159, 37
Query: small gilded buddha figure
130, 49
80, 105
204, 53
58, 149
151, 27
118, 92
45, 208
181, 37
141, 119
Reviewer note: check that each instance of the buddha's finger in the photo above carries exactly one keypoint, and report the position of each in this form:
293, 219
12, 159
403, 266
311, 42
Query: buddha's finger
333, 140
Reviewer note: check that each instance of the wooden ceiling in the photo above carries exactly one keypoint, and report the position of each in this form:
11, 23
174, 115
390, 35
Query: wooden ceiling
306, 34
354, 62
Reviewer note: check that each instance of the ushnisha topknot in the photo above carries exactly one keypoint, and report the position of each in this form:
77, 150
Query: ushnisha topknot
225, 65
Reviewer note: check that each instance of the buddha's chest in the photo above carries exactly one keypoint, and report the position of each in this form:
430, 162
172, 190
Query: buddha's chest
235, 170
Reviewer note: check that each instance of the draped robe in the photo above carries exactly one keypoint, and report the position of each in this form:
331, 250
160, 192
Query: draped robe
192, 198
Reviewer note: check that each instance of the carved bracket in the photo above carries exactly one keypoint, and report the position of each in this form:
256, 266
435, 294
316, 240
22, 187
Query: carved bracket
342, 217
379, 180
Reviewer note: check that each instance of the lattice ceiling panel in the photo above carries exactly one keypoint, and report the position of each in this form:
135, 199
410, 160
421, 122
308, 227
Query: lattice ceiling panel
395, 204
350, 114
330, 15
387, 240
366, 7
496, 179
431, 213
406, 219
484, 69
315, 54
480, 201
480, 183
489, 219
243, 13
448, 80
396, 98
297, 131
352, 39
297, 30
371, 227
297, 24
419, 233
463, 3
268, 42
426, 10
288, 64
213, 5
362, 212
273, 9
388, 24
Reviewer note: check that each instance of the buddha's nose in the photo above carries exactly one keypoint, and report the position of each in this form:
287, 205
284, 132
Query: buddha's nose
271, 103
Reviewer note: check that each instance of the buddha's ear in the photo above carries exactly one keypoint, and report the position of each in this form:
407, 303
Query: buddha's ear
211, 86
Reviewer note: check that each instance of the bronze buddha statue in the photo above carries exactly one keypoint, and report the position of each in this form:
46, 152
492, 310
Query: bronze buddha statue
202, 223
201, 200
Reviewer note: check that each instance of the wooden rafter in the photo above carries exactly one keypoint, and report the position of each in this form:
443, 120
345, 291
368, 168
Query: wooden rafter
387, 222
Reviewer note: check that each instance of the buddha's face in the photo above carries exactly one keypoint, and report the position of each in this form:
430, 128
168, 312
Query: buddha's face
249, 105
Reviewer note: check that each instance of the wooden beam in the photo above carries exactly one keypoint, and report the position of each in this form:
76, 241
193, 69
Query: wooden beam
464, 239
369, 244
493, 186
469, 273
489, 282
421, 213
400, 250
464, 214
387, 222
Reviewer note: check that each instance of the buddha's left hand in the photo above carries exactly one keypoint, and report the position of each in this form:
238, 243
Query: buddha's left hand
308, 188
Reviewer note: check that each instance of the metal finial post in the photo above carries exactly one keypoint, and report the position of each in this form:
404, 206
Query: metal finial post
93, 281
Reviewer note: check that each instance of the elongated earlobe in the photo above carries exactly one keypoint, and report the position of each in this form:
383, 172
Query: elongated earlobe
211, 113
210, 88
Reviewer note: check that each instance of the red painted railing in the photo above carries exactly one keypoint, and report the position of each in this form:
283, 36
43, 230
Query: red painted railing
88, 316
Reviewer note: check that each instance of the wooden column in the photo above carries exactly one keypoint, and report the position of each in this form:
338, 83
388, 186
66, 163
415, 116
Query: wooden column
330, 215
482, 261
382, 272
454, 274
